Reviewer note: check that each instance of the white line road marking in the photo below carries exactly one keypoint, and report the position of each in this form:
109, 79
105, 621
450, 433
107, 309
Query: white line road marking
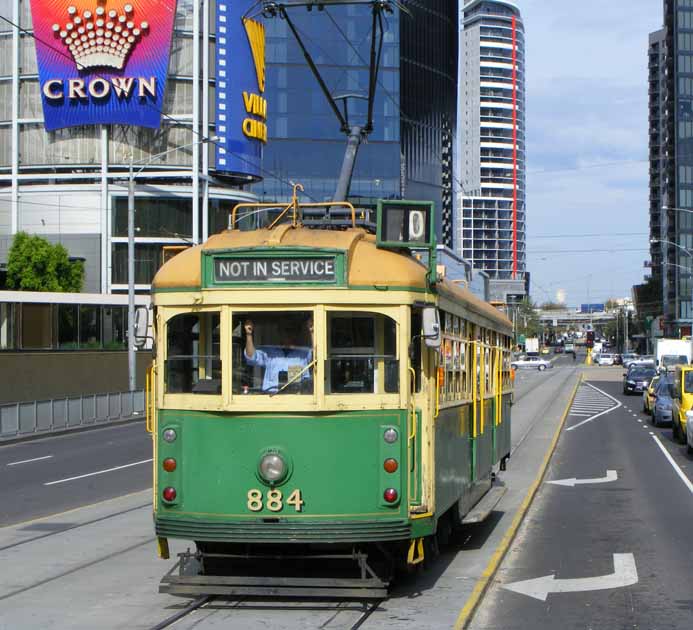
678, 470
611, 475
594, 417
98, 472
26, 461
625, 574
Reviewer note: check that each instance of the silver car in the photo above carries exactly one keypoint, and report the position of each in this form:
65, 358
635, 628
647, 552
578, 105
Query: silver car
535, 363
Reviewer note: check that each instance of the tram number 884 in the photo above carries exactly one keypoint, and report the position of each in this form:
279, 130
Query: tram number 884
274, 501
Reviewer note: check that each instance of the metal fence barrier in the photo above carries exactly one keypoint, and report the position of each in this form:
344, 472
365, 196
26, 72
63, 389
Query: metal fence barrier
60, 414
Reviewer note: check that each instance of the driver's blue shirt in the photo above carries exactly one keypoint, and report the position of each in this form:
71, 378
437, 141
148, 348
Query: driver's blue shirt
276, 359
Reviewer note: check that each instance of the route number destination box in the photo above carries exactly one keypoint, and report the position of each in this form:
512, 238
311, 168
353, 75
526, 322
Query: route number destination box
295, 270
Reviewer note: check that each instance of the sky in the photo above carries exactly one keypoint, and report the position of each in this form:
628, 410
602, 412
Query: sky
587, 146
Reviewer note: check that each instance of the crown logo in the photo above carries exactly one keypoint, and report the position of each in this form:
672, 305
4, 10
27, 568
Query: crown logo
256, 36
100, 37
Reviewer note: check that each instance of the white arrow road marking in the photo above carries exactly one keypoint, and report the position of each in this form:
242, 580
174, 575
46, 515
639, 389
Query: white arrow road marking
611, 475
594, 417
625, 574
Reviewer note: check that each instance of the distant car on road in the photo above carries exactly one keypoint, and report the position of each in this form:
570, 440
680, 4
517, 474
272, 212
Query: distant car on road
605, 359
558, 349
689, 433
531, 362
662, 408
628, 358
637, 379
648, 395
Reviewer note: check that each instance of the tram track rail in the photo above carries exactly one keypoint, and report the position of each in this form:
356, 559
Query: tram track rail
80, 567
369, 607
530, 428
69, 527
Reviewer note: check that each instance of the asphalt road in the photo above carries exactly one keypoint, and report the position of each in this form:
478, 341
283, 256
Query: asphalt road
54, 474
642, 512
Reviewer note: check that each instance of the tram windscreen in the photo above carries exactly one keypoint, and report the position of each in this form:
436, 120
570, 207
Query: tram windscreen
362, 354
272, 353
193, 362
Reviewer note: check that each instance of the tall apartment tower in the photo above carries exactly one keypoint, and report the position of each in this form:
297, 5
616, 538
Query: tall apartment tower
490, 221
670, 60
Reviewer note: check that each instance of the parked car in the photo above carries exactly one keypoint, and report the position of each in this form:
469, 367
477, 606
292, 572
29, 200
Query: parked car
637, 379
683, 401
689, 433
569, 348
648, 395
532, 362
628, 358
663, 404
605, 359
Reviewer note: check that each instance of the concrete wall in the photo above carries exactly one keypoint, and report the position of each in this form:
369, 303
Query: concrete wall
28, 376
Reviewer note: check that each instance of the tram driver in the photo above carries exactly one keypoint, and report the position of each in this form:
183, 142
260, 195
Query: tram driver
287, 365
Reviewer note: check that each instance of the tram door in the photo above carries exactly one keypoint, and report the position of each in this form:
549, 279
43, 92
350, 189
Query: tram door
482, 409
418, 410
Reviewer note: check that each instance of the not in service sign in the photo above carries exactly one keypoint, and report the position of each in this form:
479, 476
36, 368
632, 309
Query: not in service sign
320, 269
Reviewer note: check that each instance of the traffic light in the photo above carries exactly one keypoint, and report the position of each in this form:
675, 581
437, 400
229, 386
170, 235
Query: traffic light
590, 339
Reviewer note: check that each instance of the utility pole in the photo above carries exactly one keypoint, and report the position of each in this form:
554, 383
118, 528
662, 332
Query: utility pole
132, 381
625, 326
617, 344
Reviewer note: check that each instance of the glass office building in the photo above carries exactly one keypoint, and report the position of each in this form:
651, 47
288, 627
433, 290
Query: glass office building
70, 185
409, 153
491, 143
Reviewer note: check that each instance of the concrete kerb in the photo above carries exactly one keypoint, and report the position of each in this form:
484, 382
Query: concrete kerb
483, 582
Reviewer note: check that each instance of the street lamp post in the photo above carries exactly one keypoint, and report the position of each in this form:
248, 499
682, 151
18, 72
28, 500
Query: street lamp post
132, 368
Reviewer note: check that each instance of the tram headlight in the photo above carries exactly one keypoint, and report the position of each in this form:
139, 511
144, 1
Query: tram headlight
390, 435
170, 435
272, 467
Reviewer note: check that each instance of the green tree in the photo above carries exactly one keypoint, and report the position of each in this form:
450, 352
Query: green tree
33, 264
527, 319
552, 306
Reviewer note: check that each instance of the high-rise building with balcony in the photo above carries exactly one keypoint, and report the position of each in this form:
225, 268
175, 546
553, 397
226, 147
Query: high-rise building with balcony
670, 61
490, 222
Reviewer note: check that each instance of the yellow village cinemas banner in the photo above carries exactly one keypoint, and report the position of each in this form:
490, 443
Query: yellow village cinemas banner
241, 108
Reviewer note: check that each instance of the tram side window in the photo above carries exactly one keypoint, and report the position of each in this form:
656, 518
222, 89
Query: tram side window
362, 354
193, 362
273, 352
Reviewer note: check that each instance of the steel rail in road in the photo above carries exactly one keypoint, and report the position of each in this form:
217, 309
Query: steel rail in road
369, 606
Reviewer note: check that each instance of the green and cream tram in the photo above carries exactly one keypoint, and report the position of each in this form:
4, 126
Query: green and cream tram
321, 393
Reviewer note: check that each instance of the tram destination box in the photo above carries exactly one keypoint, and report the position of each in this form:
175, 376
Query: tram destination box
318, 269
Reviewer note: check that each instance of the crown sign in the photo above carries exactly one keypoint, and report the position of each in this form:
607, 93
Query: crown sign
100, 37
